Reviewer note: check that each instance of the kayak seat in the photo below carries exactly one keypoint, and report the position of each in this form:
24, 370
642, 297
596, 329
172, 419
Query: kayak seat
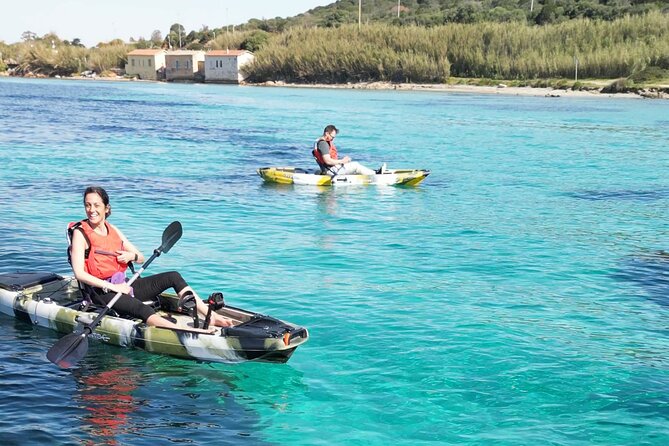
87, 303
324, 168
88, 306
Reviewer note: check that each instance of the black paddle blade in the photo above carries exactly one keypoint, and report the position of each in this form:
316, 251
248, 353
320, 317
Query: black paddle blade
69, 349
171, 235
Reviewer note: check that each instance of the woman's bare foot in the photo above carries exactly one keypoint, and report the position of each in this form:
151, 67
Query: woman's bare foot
221, 321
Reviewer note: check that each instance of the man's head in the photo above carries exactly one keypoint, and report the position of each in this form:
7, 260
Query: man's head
330, 131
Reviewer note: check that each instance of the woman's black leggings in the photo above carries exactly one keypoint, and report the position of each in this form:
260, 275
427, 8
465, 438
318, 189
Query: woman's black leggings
145, 288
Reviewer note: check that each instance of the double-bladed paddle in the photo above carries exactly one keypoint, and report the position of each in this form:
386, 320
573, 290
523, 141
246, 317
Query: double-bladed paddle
72, 347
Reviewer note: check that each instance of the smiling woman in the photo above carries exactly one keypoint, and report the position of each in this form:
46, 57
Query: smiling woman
100, 256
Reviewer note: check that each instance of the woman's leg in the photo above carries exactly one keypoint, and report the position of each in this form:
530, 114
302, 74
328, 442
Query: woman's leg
147, 288
150, 286
134, 307
202, 308
125, 305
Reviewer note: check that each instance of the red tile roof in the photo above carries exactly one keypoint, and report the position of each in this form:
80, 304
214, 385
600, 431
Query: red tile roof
145, 52
226, 53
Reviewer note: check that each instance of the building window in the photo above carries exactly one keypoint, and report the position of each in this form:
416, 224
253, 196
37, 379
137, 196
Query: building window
176, 64
132, 61
149, 62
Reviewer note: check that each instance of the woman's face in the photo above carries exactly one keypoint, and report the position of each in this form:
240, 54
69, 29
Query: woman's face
95, 208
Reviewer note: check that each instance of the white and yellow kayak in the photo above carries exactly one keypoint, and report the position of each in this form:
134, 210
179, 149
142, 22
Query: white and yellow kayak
296, 175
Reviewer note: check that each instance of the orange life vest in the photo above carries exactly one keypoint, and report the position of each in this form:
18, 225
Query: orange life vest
101, 261
319, 156
333, 149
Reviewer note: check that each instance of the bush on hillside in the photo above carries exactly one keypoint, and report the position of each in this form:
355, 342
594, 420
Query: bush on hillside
255, 41
650, 74
105, 58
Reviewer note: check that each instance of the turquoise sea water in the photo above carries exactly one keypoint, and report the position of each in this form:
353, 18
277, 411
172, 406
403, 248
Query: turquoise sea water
517, 297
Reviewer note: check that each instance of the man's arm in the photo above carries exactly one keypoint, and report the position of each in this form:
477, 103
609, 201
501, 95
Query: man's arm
324, 148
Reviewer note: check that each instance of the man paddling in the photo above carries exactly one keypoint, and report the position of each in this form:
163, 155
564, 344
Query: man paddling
328, 159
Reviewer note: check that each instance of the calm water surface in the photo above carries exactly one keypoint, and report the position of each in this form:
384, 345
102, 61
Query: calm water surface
518, 296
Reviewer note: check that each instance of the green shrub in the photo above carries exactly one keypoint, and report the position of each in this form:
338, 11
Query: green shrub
650, 74
618, 86
561, 83
255, 41
107, 57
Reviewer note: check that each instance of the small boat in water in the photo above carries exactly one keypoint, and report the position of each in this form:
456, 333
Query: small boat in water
53, 301
296, 175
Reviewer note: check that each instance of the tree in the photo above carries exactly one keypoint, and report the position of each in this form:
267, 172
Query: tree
142, 43
468, 13
28, 35
255, 41
548, 13
157, 37
335, 19
177, 35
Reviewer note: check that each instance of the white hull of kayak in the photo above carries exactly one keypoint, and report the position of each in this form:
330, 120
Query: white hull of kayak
293, 175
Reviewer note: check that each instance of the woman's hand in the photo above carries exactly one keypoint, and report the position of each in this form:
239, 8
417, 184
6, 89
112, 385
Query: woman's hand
126, 256
121, 288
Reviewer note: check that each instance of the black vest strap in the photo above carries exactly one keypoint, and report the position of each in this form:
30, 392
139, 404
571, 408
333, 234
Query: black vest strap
321, 163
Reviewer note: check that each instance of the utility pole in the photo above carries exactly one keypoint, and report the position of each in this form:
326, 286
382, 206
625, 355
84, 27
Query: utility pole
359, 13
398, 8
575, 68
531, 5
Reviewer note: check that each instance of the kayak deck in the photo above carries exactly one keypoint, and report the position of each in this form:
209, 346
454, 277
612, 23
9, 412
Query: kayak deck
299, 176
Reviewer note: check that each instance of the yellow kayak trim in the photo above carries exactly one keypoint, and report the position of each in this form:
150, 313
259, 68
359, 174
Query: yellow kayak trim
295, 175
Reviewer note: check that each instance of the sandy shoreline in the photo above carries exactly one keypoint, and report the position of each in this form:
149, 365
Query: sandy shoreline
500, 89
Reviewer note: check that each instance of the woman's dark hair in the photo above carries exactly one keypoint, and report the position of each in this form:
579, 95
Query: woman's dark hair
102, 193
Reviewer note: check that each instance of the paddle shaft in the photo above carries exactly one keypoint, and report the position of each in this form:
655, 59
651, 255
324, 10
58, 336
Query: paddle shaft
105, 310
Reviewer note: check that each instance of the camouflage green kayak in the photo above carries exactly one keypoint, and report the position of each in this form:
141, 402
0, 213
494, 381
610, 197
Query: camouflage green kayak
53, 301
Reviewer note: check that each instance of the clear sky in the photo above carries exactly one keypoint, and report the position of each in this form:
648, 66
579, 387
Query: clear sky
94, 21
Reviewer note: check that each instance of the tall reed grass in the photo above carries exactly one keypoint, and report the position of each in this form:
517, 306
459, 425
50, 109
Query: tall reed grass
483, 50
